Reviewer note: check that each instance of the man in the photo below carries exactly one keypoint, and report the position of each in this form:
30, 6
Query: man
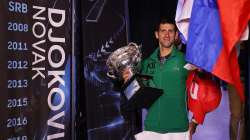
237, 117
167, 118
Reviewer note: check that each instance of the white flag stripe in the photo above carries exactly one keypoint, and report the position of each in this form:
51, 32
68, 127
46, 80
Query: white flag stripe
183, 14
245, 34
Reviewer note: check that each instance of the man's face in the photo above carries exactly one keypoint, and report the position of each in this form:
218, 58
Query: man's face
166, 35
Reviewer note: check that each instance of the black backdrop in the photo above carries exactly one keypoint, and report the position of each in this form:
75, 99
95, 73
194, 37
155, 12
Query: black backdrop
105, 26
103, 29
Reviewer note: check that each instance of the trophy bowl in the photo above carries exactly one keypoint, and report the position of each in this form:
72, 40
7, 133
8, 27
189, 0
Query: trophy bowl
125, 57
135, 89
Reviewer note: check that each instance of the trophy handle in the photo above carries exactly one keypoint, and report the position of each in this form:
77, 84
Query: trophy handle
109, 74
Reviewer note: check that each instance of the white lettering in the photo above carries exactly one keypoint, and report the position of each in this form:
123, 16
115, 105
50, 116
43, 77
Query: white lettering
194, 91
38, 72
41, 10
56, 77
34, 31
62, 96
51, 62
38, 58
58, 12
55, 39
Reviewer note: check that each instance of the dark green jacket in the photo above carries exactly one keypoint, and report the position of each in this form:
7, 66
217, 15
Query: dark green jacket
169, 112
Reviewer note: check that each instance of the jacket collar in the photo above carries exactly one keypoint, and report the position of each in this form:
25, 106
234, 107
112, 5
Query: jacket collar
155, 55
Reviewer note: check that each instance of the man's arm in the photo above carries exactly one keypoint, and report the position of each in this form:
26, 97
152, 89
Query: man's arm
192, 128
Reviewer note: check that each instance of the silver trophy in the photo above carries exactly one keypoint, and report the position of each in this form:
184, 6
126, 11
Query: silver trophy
137, 93
126, 57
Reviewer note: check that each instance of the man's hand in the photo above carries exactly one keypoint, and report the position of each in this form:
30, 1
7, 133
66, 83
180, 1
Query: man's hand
192, 128
126, 74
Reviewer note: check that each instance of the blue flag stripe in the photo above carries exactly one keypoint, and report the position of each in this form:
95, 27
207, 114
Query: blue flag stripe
205, 38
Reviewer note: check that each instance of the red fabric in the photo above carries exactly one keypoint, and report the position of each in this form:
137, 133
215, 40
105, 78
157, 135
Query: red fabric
234, 17
227, 68
204, 95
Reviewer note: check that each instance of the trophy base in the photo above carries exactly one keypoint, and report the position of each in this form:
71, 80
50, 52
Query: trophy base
138, 95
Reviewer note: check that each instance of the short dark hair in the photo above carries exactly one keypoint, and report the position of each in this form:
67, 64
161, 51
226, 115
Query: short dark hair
165, 21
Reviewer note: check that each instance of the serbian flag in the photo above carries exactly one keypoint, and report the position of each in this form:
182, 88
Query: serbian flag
215, 26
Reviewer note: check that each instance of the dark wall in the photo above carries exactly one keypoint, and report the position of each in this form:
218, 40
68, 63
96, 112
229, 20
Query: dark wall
247, 85
103, 30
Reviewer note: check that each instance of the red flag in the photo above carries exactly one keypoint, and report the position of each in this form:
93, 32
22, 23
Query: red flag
234, 17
